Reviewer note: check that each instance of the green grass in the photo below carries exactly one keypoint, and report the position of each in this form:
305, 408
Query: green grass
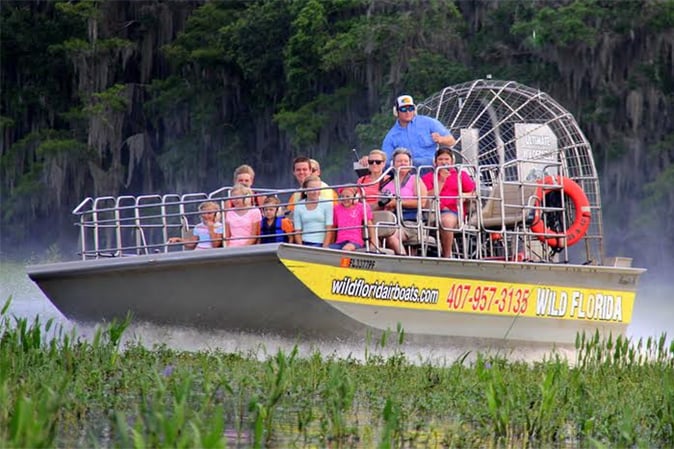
60, 390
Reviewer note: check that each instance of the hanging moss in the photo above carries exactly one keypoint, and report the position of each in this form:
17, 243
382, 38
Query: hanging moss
171, 96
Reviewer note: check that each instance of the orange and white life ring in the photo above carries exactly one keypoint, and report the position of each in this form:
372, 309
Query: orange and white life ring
582, 215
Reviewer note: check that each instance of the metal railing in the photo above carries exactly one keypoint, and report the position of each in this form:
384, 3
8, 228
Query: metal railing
494, 221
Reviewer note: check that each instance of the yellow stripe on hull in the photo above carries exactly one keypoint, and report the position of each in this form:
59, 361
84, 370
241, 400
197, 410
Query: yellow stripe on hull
467, 296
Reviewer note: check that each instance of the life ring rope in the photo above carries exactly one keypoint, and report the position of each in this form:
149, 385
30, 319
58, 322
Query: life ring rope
582, 215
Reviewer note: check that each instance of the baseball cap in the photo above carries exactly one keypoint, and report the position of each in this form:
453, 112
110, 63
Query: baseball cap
404, 100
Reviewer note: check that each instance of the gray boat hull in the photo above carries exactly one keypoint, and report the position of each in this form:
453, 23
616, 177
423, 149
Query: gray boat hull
230, 288
262, 289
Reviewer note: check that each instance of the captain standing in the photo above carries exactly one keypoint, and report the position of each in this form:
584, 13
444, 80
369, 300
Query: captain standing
419, 133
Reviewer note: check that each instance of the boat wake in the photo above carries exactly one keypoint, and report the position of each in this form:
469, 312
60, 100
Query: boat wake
420, 350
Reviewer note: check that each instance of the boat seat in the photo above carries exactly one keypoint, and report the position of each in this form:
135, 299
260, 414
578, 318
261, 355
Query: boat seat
414, 241
385, 223
514, 202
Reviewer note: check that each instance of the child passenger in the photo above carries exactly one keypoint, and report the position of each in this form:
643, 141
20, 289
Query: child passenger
274, 228
243, 220
350, 216
208, 233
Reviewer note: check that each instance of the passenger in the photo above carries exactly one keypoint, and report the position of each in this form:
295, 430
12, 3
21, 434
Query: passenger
243, 220
274, 227
419, 133
245, 175
208, 233
409, 186
350, 216
448, 189
313, 217
301, 170
376, 162
315, 167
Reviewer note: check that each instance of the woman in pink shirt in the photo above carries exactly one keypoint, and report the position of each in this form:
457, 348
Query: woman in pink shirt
451, 185
412, 195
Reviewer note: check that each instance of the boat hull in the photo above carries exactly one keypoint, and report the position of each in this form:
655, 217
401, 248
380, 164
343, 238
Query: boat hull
548, 303
300, 291
230, 288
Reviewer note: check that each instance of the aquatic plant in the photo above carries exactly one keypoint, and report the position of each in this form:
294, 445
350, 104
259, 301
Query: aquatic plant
61, 389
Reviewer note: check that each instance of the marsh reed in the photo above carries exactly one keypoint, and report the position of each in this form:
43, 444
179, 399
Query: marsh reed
60, 390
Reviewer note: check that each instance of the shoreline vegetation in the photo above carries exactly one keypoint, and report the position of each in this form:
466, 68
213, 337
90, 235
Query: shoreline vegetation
61, 390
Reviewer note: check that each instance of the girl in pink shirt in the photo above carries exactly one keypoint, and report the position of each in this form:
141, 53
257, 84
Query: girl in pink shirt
242, 222
349, 218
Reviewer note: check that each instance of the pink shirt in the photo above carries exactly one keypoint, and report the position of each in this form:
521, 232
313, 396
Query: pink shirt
407, 190
371, 191
242, 225
450, 189
353, 218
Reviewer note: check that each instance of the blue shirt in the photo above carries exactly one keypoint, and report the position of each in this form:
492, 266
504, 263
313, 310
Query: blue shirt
201, 230
416, 137
313, 223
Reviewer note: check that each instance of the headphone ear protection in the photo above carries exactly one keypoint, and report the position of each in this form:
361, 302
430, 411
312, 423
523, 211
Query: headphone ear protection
395, 111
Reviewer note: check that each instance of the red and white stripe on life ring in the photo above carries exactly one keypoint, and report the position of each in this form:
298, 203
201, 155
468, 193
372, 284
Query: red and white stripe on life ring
582, 216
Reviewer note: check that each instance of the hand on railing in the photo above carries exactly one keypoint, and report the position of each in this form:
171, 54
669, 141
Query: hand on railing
188, 242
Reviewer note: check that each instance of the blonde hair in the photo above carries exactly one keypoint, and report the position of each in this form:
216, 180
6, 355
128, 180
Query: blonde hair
206, 205
245, 168
378, 152
272, 200
211, 206
242, 191
307, 180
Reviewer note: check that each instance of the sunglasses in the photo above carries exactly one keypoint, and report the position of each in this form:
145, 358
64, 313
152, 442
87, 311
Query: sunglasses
406, 108
372, 161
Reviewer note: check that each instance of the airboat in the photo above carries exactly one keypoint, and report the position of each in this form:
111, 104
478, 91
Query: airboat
528, 263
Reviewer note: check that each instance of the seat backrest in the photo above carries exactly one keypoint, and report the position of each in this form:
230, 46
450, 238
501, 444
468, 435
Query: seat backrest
185, 231
507, 211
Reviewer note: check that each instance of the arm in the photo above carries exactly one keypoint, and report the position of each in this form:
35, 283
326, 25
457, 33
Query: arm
423, 192
287, 227
255, 229
214, 233
329, 236
297, 224
441, 135
370, 236
388, 145
467, 183
447, 140
228, 233
329, 224
188, 242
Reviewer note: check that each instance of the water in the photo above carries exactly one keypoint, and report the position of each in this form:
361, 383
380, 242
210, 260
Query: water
653, 315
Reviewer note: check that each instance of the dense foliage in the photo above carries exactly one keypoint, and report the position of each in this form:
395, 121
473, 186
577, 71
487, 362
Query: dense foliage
65, 391
106, 98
